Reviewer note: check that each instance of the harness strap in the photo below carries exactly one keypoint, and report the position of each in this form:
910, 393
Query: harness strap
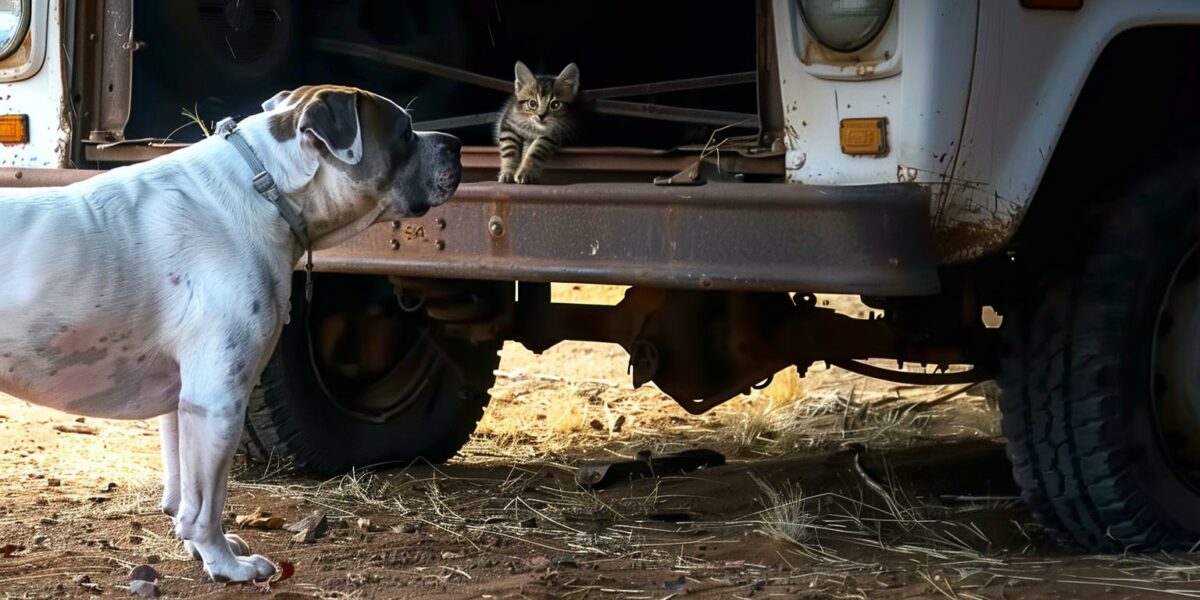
264, 184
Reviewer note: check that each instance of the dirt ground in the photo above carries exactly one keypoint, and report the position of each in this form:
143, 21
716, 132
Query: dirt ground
835, 487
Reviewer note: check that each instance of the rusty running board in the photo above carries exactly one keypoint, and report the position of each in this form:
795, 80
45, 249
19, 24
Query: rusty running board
872, 239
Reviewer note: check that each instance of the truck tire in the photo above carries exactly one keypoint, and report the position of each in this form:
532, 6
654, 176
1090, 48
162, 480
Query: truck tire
1101, 404
425, 406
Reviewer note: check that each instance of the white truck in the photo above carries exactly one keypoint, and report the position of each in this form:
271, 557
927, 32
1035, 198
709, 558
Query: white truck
937, 158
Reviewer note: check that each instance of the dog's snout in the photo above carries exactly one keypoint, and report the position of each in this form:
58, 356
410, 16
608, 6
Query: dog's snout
447, 144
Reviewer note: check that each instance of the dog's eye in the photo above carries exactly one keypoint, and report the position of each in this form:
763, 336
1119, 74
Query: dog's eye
531, 103
555, 105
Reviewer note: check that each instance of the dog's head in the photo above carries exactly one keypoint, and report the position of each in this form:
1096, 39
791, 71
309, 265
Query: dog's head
369, 143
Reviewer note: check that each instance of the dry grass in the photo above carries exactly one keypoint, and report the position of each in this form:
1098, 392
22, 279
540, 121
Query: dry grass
786, 515
575, 402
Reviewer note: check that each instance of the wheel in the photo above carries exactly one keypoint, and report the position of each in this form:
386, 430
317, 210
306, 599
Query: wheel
375, 385
202, 44
1101, 403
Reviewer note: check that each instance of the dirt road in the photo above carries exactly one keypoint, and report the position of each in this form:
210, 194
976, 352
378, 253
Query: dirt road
835, 488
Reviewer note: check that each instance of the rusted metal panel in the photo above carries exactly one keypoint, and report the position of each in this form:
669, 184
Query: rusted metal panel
786, 237
104, 47
751, 236
770, 95
16, 177
481, 162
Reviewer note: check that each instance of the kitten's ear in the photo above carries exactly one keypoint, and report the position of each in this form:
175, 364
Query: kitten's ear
524, 76
567, 82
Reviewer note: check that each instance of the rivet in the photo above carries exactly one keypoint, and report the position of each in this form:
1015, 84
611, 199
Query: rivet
440, 223
395, 224
496, 227
440, 245
395, 244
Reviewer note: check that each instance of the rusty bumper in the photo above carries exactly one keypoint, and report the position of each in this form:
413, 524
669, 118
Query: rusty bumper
748, 236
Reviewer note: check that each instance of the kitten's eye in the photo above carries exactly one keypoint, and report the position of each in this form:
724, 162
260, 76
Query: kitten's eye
531, 103
555, 105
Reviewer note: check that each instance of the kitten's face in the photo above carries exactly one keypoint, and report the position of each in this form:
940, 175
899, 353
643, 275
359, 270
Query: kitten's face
546, 101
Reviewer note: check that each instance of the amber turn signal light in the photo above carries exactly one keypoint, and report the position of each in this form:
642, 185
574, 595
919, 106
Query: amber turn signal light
864, 137
14, 129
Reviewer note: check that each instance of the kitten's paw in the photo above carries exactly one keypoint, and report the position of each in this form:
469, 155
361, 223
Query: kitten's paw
525, 177
506, 178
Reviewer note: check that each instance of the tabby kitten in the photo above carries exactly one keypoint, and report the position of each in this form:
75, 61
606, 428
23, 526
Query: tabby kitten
536, 120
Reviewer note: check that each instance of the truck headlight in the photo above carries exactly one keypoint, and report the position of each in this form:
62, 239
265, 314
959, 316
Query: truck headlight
14, 23
845, 25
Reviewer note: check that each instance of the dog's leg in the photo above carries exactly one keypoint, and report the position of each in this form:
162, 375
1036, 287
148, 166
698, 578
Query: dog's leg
211, 411
168, 429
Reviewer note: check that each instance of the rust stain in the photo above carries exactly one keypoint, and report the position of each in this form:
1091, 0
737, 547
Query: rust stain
21, 56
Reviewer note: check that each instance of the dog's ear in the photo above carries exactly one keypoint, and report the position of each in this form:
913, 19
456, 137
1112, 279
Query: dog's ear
274, 101
524, 76
331, 119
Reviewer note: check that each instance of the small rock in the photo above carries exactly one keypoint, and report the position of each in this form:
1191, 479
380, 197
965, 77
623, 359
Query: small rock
408, 528
676, 585
48, 521
366, 525
108, 488
53, 482
619, 424
40, 541
597, 425
145, 589
313, 526
144, 573
305, 536
153, 559
447, 555
529, 523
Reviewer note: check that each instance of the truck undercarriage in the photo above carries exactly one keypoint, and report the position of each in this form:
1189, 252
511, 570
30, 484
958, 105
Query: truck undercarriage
697, 218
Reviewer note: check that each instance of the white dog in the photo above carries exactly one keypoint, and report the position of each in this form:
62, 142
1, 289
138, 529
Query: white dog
160, 289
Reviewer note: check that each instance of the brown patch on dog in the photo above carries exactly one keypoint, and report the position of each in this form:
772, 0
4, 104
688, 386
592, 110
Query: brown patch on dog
283, 125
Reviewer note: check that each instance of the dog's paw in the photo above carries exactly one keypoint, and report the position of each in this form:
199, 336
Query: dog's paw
243, 568
237, 546
505, 178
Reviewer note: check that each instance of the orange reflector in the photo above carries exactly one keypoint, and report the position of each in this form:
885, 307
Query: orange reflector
864, 137
1053, 4
14, 129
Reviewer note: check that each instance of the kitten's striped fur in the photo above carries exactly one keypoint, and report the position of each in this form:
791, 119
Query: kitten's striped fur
536, 120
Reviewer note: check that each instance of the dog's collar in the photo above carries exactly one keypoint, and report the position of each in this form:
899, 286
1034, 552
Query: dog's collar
264, 184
